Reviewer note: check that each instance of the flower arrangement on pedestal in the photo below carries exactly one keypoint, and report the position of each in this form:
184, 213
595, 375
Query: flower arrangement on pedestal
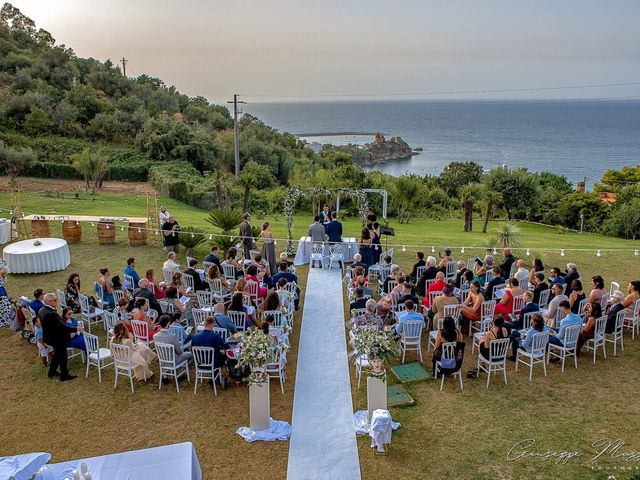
258, 349
377, 344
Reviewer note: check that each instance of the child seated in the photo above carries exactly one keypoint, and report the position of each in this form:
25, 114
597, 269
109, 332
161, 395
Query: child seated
44, 350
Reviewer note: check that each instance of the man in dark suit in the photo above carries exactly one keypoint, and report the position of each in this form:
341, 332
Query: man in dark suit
540, 286
246, 235
143, 292
507, 261
213, 257
357, 262
334, 229
198, 284
419, 263
325, 215
56, 333
496, 280
529, 307
360, 301
284, 273
461, 268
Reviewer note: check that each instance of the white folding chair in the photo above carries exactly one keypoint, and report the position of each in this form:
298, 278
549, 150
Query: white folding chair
87, 315
141, 332
204, 298
223, 332
167, 306
204, 360
569, 346
199, 315
360, 362
581, 308
419, 272
151, 287
613, 287
181, 335
62, 299
252, 290
336, 254
497, 359
218, 292
122, 363
317, 254
527, 319
187, 280
604, 300
512, 270
239, 319
518, 303
229, 272
487, 310
433, 334
537, 354
95, 355
129, 283
117, 295
207, 265
167, 274
276, 368
448, 353
110, 321
631, 322
168, 367
278, 319
598, 338
544, 298
432, 296
411, 337
99, 292
616, 335
450, 270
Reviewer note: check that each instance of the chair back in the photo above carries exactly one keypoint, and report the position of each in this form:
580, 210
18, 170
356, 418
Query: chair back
571, 335
385, 271
110, 320
449, 351
498, 349
604, 300
188, 259
179, 333
601, 324
581, 306
336, 251
428, 283
518, 303
544, 298
187, 280
167, 274
229, 272
168, 306
539, 344
471, 263
99, 290
215, 285
247, 301
526, 320
84, 303
292, 288
117, 295
564, 288
357, 312
400, 307
278, 320
452, 311
420, 271
166, 355
91, 342
207, 265
151, 287
619, 322
239, 319
613, 287
487, 310
129, 283
636, 309
199, 316
464, 294
412, 330
121, 356
450, 270
317, 248
252, 290
140, 330
62, 299
223, 332
391, 285
203, 357
204, 298
433, 295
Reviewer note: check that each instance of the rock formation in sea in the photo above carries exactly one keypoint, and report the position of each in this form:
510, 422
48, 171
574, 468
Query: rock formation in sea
382, 151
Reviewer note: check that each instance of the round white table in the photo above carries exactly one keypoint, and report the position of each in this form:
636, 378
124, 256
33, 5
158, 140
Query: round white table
5, 231
25, 257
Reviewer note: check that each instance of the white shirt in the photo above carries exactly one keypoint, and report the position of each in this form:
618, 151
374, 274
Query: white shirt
164, 216
171, 265
523, 277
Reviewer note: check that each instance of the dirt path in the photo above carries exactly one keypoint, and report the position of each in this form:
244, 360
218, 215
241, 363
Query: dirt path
28, 184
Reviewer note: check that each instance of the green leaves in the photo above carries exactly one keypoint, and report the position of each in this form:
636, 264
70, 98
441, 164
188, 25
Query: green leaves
226, 219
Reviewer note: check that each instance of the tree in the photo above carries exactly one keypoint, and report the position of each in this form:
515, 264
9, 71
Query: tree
252, 175
519, 189
457, 174
407, 188
589, 206
37, 122
92, 165
13, 161
469, 195
507, 235
624, 221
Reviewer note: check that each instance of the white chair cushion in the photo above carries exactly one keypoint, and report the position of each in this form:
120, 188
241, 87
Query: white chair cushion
104, 354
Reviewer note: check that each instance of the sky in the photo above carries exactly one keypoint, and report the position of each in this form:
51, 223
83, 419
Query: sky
292, 50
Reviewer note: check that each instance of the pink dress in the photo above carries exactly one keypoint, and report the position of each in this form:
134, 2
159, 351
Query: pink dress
262, 291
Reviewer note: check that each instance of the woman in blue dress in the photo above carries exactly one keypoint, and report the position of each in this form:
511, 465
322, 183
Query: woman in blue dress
75, 340
364, 247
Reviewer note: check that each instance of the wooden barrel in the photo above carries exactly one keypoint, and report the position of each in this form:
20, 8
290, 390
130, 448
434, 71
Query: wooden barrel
40, 228
137, 234
106, 233
71, 231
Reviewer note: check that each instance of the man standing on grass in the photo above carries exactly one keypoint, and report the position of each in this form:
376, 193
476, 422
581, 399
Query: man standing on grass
56, 333
246, 235
170, 237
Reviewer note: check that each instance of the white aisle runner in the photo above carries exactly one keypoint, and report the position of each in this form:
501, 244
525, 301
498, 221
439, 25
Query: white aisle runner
323, 440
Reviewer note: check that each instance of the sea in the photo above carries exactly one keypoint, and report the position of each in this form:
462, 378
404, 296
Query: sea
580, 139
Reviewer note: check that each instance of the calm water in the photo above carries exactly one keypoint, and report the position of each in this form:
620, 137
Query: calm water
575, 138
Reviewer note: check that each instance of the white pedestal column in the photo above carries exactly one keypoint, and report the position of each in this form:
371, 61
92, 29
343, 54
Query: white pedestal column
259, 406
376, 394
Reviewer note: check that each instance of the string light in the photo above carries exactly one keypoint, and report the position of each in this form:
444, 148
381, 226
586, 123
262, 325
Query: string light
562, 253
598, 254
122, 228
192, 235
404, 248
139, 230
155, 232
495, 252
528, 252
636, 253
462, 250
210, 237
433, 249
93, 224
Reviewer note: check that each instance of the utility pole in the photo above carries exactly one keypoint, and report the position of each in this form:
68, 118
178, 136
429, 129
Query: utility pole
236, 143
124, 66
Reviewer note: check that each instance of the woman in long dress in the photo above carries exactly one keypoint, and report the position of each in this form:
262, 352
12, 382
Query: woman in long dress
364, 247
141, 354
376, 246
5, 304
268, 248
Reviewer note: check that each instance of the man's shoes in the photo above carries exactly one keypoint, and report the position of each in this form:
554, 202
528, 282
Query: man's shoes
53, 374
68, 377
511, 358
554, 359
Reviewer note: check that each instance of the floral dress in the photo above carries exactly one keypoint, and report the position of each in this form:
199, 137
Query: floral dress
5, 305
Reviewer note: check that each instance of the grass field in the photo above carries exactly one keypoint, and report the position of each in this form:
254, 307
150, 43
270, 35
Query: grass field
452, 434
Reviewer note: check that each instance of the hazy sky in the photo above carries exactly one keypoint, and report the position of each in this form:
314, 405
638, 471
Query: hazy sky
299, 47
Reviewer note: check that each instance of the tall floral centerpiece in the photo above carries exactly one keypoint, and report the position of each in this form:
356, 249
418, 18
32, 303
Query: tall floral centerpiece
377, 344
258, 349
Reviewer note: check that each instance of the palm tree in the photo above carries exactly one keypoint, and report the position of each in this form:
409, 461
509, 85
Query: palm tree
254, 174
469, 195
190, 238
508, 235
227, 220
407, 189
92, 166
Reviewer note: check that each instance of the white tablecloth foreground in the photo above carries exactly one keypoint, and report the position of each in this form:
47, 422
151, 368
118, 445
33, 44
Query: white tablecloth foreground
170, 462
22, 467
303, 255
5, 231
25, 257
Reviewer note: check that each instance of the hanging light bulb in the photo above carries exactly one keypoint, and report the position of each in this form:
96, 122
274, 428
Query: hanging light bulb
192, 235
155, 232
598, 254
93, 224
636, 253
210, 237
107, 226
462, 250
528, 252
404, 249
11, 212
139, 230
122, 228
562, 253
495, 251
433, 249
77, 223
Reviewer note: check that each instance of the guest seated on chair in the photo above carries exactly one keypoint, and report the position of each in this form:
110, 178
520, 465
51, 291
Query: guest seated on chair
471, 308
436, 312
370, 317
253, 276
630, 300
208, 338
496, 332
122, 312
272, 302
108, 302
143, 292
576, 296
517, 323
597, 289
436, 286
214, 273
557, 336
165, 336
419, 263
130, 270
467, 278
558, 297
571, 274
357, 262
37, 303
522, 274
505, 304
72, 292
393, 275
407, 294
76, 340
448, 333
232, 253
461, 269
213, 257
198, 283
445, 258
237, 305
117, 285
555, 276
171, 263
615, 306
360, 301
159, 288
540, 286
141, 354
172, 296
496, 279
223, 320
429, 274
409, 315
594, 312
525, 341
482, 269
141, 312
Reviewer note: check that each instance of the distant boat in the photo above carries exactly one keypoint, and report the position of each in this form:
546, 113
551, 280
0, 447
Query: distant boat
417, 149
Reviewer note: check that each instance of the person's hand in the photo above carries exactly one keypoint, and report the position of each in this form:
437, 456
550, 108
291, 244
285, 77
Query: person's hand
80, 328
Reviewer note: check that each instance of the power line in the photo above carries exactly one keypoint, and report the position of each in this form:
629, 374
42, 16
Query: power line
451, 92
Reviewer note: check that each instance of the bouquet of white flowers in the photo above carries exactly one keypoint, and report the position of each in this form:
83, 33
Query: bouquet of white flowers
377, 344
257, 350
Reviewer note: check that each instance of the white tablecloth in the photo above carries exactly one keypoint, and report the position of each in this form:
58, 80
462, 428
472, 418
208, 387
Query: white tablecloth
303, 255
24, 257
170, 462
5, 231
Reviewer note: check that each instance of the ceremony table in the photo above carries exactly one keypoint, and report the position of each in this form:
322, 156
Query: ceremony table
25, 257
5, 231
303, 255
169, 462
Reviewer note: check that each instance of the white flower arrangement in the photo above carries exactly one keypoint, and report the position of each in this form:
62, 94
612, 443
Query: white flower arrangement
375, 343
37, 243
257, 350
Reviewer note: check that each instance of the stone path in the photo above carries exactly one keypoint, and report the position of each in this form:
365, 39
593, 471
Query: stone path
323, 440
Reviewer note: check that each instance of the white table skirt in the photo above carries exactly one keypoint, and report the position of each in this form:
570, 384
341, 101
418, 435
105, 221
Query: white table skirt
5, 231
170, 462
25, 257
303, 255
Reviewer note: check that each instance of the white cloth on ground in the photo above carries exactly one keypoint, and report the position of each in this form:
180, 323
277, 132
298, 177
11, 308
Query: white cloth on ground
278, 430
362, 426
22, 467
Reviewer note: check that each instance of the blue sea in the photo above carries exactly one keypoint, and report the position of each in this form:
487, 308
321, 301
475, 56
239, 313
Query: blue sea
576, 138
